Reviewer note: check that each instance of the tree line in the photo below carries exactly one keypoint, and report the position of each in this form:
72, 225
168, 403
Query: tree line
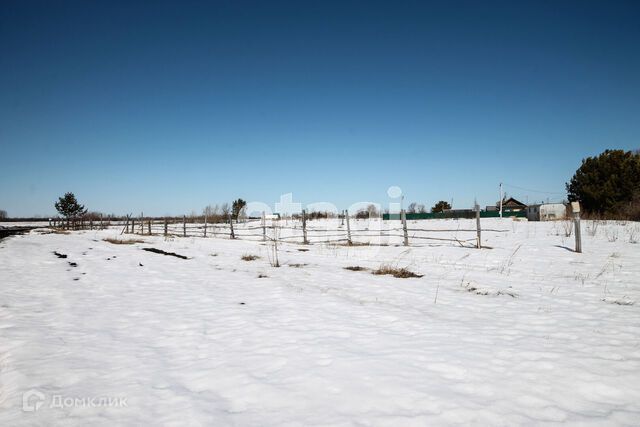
607, 186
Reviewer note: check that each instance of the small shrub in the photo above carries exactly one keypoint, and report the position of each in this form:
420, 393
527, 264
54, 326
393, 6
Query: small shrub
592, 227
249, 257
355, 268
400, 273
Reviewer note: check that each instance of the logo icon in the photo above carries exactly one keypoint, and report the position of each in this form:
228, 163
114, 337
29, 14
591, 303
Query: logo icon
32, 400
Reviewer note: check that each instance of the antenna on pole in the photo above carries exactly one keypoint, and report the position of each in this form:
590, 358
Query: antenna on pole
500, 200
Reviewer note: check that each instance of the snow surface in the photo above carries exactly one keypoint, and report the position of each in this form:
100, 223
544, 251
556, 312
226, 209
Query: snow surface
527, 332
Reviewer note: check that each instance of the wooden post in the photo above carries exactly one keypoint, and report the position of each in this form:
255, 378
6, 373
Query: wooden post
133, 225
141, 223
346, 215
478, 229
304, 227
575, 208
205, 225
101, 224
233, 236
264, 226
166, 227
90, 224
184, 225
404, 227
149, 227
127, 225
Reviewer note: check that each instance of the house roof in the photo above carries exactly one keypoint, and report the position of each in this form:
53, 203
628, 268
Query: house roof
511, 203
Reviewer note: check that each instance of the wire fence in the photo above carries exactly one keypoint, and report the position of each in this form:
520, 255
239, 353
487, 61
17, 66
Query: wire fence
344, 230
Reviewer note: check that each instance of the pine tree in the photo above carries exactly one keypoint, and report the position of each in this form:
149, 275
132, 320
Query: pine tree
441, 206
69, 207
237, 207
606, 184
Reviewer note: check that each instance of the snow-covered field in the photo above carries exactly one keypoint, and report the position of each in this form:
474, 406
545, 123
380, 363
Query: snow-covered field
526, 332
9, 224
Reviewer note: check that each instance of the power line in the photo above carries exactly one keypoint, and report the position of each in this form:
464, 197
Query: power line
533, 191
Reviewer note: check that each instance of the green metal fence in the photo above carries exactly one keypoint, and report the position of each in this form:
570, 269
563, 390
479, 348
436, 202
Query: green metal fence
455, 215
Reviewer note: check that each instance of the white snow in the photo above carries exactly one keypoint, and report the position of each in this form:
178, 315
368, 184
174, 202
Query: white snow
527, 332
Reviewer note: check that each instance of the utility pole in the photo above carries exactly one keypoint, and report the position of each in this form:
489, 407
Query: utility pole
500, 200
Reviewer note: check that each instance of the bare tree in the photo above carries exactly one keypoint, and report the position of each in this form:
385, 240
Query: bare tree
226, 210
373, 211
412, 207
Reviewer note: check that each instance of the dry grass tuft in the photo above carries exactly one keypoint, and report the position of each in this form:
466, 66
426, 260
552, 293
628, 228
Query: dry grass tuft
123, 241
249, 257
356, 244
296, 265
400, 273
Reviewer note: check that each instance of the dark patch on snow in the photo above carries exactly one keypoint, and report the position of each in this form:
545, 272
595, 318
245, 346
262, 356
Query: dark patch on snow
73, 264
59, 255
160, 251
355, 268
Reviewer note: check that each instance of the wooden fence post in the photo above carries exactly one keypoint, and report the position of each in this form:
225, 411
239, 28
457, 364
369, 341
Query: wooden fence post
233, 236
404, 227
184, 226
478, 229
90, 224
149, 227
166, 227
575, 208
127, 225
346, 215
205, 225
304, 227
101, 223
264, 226
141, 223
133, 225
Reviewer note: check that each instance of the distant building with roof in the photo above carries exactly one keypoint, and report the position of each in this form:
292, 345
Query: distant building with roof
546, 211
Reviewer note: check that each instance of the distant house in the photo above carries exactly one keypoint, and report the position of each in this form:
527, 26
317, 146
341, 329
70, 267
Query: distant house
546, 211
511, 205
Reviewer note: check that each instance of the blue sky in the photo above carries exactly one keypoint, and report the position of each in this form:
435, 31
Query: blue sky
164, 107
